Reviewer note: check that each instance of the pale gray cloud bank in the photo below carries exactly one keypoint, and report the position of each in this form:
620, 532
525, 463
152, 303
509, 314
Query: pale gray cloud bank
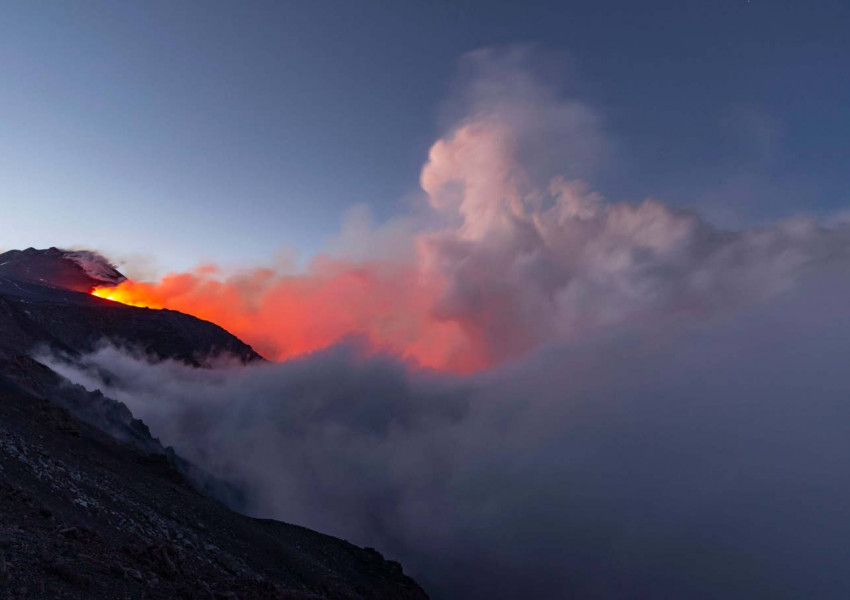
699, 463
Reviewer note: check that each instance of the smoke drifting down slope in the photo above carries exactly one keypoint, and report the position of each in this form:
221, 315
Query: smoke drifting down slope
518, 252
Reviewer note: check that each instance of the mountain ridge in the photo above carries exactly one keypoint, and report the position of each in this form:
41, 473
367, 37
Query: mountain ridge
77, 270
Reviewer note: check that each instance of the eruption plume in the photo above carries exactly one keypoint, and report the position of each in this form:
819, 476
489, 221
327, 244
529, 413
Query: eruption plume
285, 315
525, 253
668, 417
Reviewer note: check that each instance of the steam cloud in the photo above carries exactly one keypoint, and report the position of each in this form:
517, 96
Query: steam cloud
699, 464
669, 416
517, 253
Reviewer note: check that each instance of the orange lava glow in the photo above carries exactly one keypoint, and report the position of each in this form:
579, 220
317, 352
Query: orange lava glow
284, 316
123, 293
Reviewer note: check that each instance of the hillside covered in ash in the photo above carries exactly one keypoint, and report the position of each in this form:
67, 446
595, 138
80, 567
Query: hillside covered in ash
94, 506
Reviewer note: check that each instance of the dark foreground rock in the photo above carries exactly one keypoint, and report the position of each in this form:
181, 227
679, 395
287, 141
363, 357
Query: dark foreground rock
84, 516
93, 507
38, 310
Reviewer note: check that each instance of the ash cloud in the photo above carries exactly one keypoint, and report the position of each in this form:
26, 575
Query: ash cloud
667, 415
702, 462
510, 250
533, 255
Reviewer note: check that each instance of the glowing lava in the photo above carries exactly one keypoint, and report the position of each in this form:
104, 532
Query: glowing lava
122, 295
389, 308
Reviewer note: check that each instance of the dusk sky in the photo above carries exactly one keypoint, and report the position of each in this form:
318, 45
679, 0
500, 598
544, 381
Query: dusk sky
229, 132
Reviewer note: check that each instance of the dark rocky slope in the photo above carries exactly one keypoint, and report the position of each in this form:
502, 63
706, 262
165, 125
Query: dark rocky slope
71, 321
90, 514
80, 270
84, 516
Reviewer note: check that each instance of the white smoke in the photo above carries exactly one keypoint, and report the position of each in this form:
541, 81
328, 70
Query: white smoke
96, 266
531, 255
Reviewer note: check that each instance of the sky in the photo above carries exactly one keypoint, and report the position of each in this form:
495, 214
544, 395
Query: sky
179, 133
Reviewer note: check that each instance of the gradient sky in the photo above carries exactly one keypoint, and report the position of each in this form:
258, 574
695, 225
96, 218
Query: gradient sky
228, 131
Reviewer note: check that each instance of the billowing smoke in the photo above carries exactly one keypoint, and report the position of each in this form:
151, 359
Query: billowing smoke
517, 252
703, 462
667, 417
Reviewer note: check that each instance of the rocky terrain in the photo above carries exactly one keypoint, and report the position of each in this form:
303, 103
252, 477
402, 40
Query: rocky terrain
80, 270
44, 300
94, 507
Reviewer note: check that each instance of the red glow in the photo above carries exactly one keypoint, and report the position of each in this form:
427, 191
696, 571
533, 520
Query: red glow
283, 316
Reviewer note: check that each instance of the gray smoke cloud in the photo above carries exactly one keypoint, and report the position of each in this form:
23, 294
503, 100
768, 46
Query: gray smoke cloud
701, 462
677, 423
530, 255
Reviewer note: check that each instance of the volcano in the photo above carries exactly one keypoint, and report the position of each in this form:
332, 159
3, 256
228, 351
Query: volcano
93, 505
79, 270
45, 300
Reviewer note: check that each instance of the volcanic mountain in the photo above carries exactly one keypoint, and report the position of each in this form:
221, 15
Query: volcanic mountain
45, 299
93, 506
78, 270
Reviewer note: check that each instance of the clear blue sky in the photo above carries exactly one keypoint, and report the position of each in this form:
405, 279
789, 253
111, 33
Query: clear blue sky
228, 130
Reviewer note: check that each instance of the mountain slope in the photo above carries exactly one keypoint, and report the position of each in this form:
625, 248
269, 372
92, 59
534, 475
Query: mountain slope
86, 517
36, 307
89, 514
